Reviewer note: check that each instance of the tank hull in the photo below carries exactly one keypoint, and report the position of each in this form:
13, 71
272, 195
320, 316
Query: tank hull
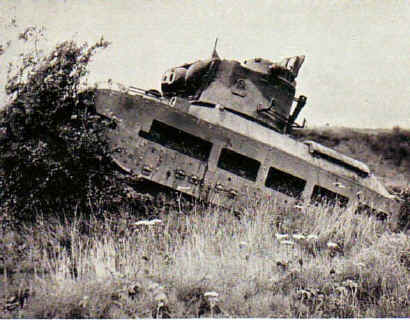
216, 155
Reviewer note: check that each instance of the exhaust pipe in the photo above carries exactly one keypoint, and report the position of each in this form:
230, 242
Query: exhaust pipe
301, 103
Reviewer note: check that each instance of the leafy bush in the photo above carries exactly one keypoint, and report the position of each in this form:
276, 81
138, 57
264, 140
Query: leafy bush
54, 157
394, 145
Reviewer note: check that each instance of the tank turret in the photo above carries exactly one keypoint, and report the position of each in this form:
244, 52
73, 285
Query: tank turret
257, 89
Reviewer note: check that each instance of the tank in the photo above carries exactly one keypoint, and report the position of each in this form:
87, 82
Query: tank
219, 131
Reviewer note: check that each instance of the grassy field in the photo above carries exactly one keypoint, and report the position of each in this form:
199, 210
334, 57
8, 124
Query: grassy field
313, 261
294, 262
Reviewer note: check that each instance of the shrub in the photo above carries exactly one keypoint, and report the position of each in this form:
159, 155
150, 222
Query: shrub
54, 156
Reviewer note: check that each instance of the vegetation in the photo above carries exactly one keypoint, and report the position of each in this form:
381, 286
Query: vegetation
73, 243
54, 155
306, 262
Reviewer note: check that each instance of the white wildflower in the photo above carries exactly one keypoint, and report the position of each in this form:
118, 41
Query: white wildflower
84, 302
280, 236
332, 245
243, 244
287, 242
142, 223
148, 222
212, 297
161, 299
298, 237
154, 286
211, 294
312, 237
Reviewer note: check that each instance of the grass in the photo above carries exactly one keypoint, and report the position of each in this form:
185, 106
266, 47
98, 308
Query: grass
261, 265
313, 261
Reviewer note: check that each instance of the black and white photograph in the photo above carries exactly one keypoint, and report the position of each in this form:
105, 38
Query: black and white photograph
204, 159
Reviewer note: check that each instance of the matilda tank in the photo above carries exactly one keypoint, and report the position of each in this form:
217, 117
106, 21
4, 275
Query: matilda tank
219, 131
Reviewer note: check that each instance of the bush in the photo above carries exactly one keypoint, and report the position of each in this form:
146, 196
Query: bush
394, 145
54, 157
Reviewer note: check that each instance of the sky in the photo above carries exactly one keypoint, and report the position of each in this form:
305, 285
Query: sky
357, 67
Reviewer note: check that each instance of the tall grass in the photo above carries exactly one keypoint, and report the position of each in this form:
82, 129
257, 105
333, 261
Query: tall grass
309, 262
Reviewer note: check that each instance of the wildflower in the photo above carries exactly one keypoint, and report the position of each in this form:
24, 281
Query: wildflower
158, 294
243, 244
211, 294
142, 223
280, 236
312, 237
212, 298
84, 302
332, 245
161, 299
298, 237
287, 242
360, 265
350, 284
116, 274
154, 286
148, 222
